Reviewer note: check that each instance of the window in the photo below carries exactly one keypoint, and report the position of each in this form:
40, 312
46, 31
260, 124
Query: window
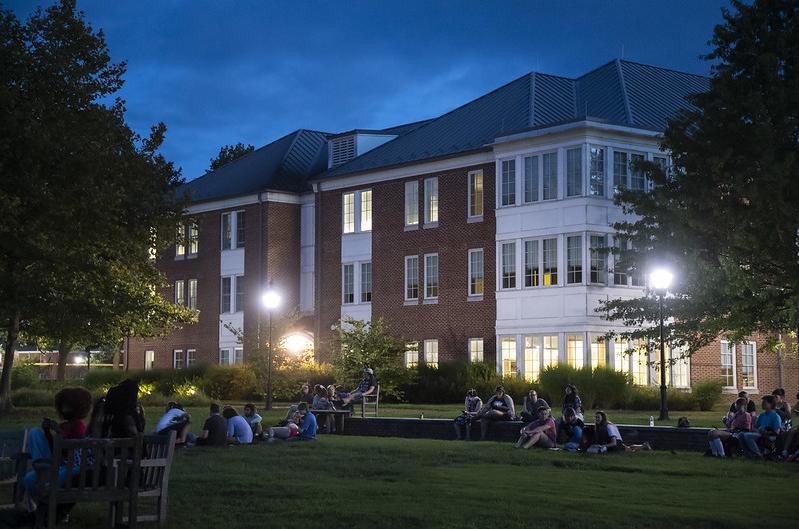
640, 362
476, 273
411, 203
192, 293
531, 264
180, 292
748, 365
574, 259
619, 275
599, 259
550, 250
411, 354
574, 172
180, 242
637, 178
224, 357
366, 282
532, 358
508, 349
431, 353
625, 173
194, 239
431, 201
476, 350
431, 276
662, 164
728, 365
239, 229
348, 283
226, 294
574, 350
412, 277
227, 232
597, 351
550, 350
509, 264
620, 356
191, 357
238, 355
620, 171
239, 293
348, 212
149, 360
366, 210
476, 194
531, 179
550, 176
678, 369
177, 359
597, 178
508, 186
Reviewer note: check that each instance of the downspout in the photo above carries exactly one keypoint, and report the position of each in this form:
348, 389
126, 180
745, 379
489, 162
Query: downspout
780, 368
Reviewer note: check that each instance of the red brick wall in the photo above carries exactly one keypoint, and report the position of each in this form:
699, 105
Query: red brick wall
454, 319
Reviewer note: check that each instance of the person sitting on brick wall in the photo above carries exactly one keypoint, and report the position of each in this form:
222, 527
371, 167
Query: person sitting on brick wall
530, 406
471, 407
751, 408
740, 423
498, 408
571, 428
541, 432
768, 426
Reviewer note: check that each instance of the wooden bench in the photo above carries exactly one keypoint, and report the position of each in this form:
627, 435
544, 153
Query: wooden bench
94, 470
156, 463
13, 464
338, 417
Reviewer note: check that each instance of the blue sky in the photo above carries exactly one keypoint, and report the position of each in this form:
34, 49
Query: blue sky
224, 71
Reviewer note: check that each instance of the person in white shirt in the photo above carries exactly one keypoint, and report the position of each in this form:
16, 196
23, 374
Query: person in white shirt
174, 419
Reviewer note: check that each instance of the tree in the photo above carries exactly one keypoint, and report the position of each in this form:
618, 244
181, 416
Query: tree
725, 218
228, 153
83, 199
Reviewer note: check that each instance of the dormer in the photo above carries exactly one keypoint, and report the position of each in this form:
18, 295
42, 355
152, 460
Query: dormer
341, 148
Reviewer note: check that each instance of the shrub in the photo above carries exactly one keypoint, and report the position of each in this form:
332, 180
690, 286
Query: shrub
24, 375
707, 394
34, 397
600, 387
286, 381
648, 398
229, 382
99, 378
157, 402
610, 388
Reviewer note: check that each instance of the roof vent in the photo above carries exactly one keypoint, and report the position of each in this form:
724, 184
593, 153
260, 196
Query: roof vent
341, 150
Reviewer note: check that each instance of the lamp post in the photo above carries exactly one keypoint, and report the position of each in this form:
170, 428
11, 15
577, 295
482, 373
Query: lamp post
270, 300
660, 280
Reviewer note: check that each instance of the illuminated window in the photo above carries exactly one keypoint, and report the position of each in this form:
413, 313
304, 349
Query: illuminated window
348, 212
621, 359
412, 277
728, 364
574, 172
508, 185
532, 358
509, 264
180, 242
550, 176
177, 359
550, 251
531, 180
192, 293
431, 353
508, 350
476, 194
431, 276
640, 362
476, 273
180, 292
149, 360
194, 239
574, 259
748, 360
476, 350
411, 354
411, 203
599, 259
431, 200
597, 177
366, 210
597, 352
550, 351
574, 350
678, 371
531, 266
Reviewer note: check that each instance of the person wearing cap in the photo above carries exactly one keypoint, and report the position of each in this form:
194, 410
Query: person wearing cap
572, 429
498, 408
541, 432
366, 386
471, 407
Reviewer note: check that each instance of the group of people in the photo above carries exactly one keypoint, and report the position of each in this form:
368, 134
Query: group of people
541, 429
769, 433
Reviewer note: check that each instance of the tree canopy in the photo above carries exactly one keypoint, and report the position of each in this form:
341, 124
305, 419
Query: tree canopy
725, 216
228, 153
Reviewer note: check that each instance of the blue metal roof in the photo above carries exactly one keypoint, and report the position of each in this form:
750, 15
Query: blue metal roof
619, 92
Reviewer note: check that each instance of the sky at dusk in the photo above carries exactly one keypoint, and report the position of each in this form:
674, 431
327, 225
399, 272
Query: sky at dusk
224, 71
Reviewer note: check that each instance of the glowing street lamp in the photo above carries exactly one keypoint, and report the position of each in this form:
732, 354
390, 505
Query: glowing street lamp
660, 281
270, 301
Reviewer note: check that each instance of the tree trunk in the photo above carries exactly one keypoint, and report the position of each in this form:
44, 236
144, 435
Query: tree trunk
8, 362
63, 353
115, 359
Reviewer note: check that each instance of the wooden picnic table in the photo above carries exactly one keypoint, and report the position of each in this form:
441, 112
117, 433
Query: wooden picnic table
338, 417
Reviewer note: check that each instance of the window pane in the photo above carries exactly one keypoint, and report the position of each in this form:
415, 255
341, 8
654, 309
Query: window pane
348, 212
191, 357
531, 277
192, 293
177, 356
180, 242
238, 356
679, 369
509, 265
239, 293
194, 239
727, 372
411, 354
550, 176
239, 229
508, 182
550, 351
637, 179
619, 171
531, 179
412, 277
599, 260
431, 276
348, 283
597, 352
180, 293
748, 364
574, 350
532, 358
476, 273
431, 200
227, 234
224, 357
597, 171
640, 362
550, 250
619, 276
411, 203
366, 210
574, 172
431, 353
476, 194
476, 350
366, 282
574, 259
620, 357
226, 286
508, 347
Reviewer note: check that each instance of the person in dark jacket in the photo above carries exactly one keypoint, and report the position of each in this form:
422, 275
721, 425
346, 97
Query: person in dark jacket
498, 408
572, 400
530, 406
571, 429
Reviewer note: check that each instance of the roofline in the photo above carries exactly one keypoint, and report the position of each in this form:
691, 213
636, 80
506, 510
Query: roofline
375, 132
639, 64
244, 199
581, 123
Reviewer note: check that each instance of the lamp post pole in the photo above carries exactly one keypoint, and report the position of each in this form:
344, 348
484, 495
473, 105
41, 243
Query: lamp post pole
664, 410
269, 367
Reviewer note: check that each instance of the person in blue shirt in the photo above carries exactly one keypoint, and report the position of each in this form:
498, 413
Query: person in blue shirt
308, 423
572, 429
238, 430
768, 424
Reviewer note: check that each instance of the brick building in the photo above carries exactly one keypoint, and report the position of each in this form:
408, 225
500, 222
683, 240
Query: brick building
475, 234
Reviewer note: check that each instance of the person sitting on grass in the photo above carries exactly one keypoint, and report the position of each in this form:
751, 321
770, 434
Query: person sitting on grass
768, 425
541, 433
607, 438
177, 420
366, 386
214, 429
238, 431
307, 424
572, 400
571, 428
498, 408
471, 407
741, 422
530, 406
254, 420
290, 430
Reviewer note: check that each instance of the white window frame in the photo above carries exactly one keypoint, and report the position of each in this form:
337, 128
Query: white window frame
581, 172
605, 273
503, 339
438, 276
180, 242
418, 277
240, 241
581, 259
234, 294
531, 370
538, 184
191, 354
193, 240
357, 283
233, 221
471, 175
429, 184
191, 301
428, 354
228, 352
345, 225
344, 267
476, 354
469, 292
501, 265
361, 291
579, 355
674, 360
411, 355
180, 292
602, 190
365, 215
176, 353
501, 185
238, 356
752, 388
230, 294
149, 359
558, 176
358, 213
731, 350
412, 204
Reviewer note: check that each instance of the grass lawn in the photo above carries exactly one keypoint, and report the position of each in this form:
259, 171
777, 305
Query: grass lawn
353, 482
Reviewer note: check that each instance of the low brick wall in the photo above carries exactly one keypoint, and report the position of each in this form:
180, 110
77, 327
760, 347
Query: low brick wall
660, 437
